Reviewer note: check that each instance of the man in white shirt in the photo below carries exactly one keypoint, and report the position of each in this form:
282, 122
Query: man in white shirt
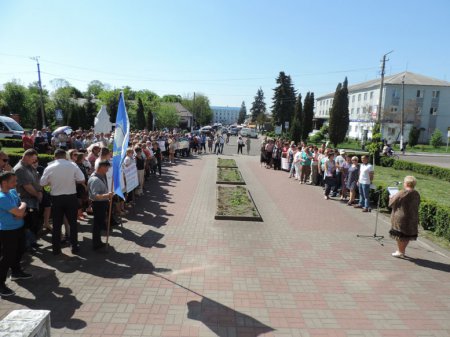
366, 174
62, 176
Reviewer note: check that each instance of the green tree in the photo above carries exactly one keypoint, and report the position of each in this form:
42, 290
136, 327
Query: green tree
413, 137
91, 112
149, 123
15, 96
199, 107
283, 107
308, 115
339, 115
296, 125
33, 104
375, 145
110, 98
167, 116
64, 99
171, 98
261, 120
242, 113
436, 138
140, 115
94, 89
258, 105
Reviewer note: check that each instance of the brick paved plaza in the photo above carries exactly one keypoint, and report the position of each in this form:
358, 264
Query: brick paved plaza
173, 270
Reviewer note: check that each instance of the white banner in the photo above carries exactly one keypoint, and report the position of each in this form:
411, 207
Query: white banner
278, 129
162, 145
131, 177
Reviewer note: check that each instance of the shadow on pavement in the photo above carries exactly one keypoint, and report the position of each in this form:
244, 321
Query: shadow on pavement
148, 240
430, 264
220, 319
49, 295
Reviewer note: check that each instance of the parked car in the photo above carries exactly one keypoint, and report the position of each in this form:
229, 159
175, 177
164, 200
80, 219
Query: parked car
247, 132
233, 131
9, 128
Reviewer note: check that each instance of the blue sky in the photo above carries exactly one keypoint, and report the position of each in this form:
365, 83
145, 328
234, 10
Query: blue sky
224, 49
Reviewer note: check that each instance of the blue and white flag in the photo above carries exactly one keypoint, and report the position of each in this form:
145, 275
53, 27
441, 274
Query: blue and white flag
121, 135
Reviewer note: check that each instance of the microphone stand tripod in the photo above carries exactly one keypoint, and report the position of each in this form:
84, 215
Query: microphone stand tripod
378, 238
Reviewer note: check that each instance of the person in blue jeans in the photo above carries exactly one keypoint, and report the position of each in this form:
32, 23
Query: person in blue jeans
366, 174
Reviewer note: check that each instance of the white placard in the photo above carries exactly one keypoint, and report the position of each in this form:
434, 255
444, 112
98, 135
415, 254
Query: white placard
131, 177
162, 145
392, 191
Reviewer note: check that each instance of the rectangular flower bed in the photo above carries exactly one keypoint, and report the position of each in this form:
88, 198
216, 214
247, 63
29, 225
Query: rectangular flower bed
236, 203
230, 176
230, 163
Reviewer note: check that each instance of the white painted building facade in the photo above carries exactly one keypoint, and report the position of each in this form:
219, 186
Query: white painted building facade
426, 106
225, 115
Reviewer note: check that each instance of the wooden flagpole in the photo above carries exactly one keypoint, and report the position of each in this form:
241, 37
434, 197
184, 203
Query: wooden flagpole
109, 213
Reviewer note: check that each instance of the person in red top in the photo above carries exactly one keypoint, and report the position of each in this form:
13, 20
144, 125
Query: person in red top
27, 141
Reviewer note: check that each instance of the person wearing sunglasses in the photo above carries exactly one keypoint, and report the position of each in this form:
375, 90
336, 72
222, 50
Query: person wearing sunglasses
4, 162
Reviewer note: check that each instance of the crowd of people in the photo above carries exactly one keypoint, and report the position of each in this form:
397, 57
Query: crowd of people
344, 176
37, 200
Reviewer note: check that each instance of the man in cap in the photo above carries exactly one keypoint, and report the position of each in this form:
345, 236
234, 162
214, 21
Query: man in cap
100, 197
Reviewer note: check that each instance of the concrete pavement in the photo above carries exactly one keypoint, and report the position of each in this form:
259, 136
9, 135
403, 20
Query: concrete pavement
175, 271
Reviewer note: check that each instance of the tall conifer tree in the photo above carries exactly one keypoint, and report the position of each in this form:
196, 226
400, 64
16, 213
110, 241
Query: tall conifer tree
339, 116
308, 115
296, 126
242, 113
258, 105
283, 107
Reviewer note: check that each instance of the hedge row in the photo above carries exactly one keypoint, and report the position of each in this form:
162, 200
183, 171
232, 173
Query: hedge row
14, 158
9, 142
434, 171
432, 216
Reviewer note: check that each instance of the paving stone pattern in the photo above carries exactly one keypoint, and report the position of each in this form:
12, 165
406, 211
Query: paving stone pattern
173, 270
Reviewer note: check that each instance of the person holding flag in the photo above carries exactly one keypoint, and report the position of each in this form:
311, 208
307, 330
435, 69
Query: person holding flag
120, 145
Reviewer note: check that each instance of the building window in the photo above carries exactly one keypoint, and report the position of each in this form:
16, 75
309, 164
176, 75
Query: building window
353, 98
395, 93
357, 111
365, 96
353, 111
359, 97
435, 93
394, 108
419, 94
418, 110
433, 111
371, 94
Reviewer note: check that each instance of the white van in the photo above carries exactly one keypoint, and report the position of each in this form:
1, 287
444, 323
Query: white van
9, 128
249, 132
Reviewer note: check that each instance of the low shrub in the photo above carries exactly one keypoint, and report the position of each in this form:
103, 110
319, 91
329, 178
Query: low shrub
427, 214
434, 171
442, 222
10, 142
432, 216
387, 161
43, 159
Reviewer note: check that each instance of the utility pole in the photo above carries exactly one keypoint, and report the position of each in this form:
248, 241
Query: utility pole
36, 58
402, 120
193, 112
380, 99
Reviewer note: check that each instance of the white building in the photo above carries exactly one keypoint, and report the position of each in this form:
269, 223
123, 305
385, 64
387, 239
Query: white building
426, 106
225, 115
